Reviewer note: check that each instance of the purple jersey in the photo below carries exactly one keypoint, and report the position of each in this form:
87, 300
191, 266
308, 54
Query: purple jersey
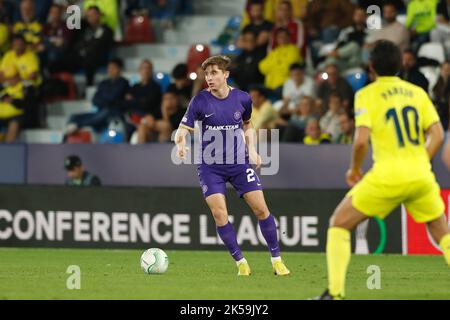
221, 125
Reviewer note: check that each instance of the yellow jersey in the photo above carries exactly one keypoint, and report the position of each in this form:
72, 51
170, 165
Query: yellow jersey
25, 65
397, 114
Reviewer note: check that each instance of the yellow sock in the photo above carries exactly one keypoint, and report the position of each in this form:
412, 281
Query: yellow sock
338, 258
445, 246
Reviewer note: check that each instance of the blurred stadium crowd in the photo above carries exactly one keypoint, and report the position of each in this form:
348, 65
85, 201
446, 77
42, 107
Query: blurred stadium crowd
301, 61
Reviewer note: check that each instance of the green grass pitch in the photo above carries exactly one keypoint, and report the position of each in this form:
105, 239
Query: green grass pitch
116, 274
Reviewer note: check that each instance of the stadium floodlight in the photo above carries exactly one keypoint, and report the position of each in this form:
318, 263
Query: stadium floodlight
199, 48
193, 76
112, 133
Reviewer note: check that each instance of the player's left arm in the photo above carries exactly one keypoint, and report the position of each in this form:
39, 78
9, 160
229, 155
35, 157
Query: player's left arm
359, 152
435, 138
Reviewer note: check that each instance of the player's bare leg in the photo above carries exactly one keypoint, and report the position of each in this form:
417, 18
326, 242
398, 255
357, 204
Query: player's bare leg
441, 234
255, 200
218, 207
344, 219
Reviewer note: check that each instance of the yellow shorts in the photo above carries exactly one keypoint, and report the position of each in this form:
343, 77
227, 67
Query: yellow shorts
421, 198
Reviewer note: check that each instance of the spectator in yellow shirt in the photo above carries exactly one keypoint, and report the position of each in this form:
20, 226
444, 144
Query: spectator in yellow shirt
275, 66
314, 134
28, 26
20, 65
263, 113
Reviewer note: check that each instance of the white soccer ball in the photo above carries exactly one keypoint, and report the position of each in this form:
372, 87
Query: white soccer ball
154, 261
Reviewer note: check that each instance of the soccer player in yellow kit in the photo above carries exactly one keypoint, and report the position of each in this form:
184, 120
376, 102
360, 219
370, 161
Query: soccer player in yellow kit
404, 129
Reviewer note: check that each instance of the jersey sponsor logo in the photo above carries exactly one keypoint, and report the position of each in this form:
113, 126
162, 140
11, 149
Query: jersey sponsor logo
226, 127
208, 115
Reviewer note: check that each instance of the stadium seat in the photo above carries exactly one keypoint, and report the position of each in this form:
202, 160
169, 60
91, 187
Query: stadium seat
110, 136
69, 81
230, 50
163, 79
432, 75
84, 135
357, 79
432, 50
234, 22
139, 30
196, 55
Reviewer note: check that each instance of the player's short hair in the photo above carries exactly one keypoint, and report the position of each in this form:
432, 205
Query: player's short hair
391, 4
287, 3
297, 66
180, 71
260, 89
96, 8
222, 62
282, 29
117, 61
386, 58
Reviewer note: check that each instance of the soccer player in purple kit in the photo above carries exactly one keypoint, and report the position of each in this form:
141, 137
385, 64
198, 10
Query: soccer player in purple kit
221, 109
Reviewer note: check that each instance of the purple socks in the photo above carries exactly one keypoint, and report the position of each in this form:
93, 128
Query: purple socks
269, 231
228, 237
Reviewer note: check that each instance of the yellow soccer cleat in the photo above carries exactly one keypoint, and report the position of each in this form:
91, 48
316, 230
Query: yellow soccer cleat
280, 269
244, 269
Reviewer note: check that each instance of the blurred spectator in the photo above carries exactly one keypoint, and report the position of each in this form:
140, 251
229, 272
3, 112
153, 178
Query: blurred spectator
57, 38
284, 18
199, 81
144, 97
108, 99
326, 17
275, 67
297, 86
347, 124
42, 8
182, 84
91, 49
154, 129
77, 175
442, 31
162, 11
6, 11
334, 83
20, 69
410, 72
391, 30
420, 20
263, 114
258, 25
295, 130
28, 25
245, 67
109, 12
330, 122
11, 111
314, 134
5, 19
441, 94
348, 53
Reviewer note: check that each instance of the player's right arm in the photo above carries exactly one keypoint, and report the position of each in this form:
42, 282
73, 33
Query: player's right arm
360, 146
186, 125
359, 152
